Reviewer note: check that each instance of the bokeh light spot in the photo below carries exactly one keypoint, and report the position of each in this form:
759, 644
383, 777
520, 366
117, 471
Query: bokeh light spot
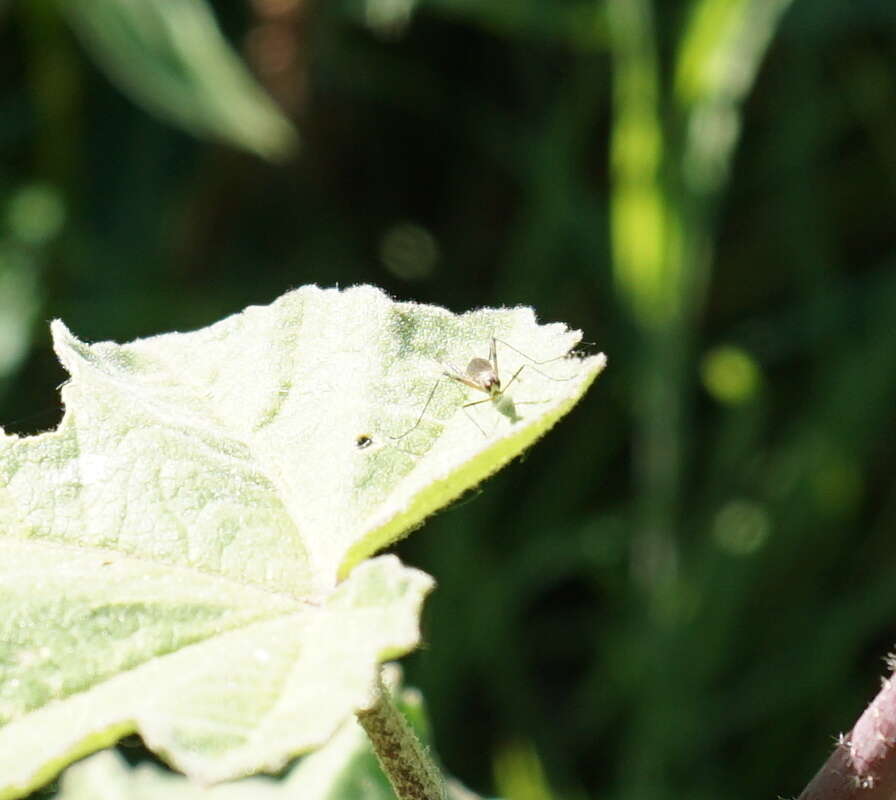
730, 374
741, 527
409, 251
35, 214
389, 17
837, 485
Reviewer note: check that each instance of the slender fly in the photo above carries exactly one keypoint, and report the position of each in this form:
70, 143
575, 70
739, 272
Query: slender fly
482, 375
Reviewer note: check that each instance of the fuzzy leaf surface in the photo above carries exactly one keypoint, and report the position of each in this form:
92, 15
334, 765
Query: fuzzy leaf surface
188, 555
345, 767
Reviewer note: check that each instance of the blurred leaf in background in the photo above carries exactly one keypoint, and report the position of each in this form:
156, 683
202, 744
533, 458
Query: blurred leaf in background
171, 56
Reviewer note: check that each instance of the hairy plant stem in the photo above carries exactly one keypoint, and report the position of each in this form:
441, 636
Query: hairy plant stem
863, 765
406, 762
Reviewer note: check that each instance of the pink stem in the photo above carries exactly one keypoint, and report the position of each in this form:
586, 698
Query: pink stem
864, 763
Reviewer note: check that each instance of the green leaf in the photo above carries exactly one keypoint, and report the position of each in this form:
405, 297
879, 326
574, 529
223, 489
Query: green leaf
170, 56
182, 557
719, 56
345, 767
223, 679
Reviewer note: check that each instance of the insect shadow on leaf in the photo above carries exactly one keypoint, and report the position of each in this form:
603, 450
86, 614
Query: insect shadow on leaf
482, 375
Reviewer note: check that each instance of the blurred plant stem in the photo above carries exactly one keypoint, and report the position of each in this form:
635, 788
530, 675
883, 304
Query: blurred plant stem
647, 268
670, 149
54, 75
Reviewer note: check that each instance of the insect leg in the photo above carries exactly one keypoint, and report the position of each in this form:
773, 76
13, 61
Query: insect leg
422, 412
505, 388
470, 417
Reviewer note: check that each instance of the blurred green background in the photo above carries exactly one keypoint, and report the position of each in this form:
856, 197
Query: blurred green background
688, 588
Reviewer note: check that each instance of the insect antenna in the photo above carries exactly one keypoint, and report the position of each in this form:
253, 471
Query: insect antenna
533, 363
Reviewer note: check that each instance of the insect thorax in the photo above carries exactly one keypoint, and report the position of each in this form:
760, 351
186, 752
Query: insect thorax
482, 372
